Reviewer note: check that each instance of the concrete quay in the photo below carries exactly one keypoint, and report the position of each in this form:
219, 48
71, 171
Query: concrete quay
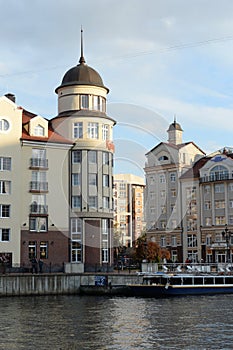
64, 284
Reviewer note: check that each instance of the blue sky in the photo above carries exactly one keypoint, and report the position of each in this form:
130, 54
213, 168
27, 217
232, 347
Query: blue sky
159, 58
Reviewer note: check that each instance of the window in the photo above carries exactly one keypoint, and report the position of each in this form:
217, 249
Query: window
76, 238
162, 179
31, 249
207, 205
106, 202
5, 187
163, 241
38, 158
78, 130
76, 157
92, 201
173, 177
105, 243
38, 224
173, 192
84, 102
208, 221
163, 209
163, 224
162, 194
4, 211
106, 180
230, 187
43, 250
192, 241
105, 158
38, 182
219, 188
173, 223
4, 125
173, 208
5, 163
220, 220
99, 103
231, 203
92, 157
163, 158
174, 241
38, 204
93, 130
219, 204
75, 179
92, 179
39, 130
76, 202
4, 234
105, 132
207, 189
208, 240
219, 172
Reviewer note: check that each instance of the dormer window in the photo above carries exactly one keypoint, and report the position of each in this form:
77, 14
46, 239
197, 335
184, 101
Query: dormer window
39, 130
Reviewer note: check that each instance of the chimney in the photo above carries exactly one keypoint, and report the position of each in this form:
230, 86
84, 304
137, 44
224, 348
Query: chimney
11, 97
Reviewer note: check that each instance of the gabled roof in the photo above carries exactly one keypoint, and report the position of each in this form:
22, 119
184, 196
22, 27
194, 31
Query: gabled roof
178, 147
193, 172
53, 136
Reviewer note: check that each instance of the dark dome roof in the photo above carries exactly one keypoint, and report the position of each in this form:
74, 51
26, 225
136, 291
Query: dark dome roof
82, 74
175, 126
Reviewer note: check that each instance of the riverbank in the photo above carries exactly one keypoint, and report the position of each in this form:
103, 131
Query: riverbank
61, 283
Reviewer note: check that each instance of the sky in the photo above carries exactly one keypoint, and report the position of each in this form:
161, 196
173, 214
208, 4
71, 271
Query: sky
161, 59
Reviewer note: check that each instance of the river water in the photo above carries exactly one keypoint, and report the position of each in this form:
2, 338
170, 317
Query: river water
101, 323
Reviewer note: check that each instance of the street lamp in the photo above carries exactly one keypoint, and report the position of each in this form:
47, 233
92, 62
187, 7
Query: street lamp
227, 235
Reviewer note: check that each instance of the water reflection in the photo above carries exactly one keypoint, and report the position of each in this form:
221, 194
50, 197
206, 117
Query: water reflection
73, 322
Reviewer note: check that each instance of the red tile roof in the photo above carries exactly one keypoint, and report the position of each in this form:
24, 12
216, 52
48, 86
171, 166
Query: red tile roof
53, 136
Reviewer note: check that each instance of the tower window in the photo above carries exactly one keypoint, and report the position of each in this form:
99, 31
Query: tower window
93, 130
105, 134
84, 101
78, 130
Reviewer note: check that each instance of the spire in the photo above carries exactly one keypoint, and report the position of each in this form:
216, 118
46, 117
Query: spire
174, 119
82, 59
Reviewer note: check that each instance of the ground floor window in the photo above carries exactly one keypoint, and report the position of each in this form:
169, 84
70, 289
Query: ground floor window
43, 250
76, 240
105, 240
31, 249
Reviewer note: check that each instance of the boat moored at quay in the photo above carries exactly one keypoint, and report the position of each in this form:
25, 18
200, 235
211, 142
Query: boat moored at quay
164, 284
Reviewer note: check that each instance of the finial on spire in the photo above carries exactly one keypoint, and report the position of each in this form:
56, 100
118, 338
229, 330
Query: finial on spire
82, 59
174, 119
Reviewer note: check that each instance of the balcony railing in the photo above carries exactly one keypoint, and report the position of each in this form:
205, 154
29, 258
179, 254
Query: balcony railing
38, 186
38, 163
38, 209
216, 177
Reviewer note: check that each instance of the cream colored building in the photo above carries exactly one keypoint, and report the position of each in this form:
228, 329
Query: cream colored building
56, 196
165, 164
129, 207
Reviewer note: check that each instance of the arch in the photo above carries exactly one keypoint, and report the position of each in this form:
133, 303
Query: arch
219, 172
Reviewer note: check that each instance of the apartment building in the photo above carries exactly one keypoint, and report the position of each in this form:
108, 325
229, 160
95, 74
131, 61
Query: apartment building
128, 207
165, 164
56, 177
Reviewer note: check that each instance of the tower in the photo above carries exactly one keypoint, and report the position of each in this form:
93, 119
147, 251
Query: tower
175, 133
82, 118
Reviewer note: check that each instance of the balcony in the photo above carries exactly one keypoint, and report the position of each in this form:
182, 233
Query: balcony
37, 186
38, 209
39, 163
216, 177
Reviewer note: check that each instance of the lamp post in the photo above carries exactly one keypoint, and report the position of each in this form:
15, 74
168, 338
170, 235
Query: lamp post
227, 235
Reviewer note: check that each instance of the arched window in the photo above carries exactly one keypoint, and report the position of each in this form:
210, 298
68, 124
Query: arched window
163, 158
219, 172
